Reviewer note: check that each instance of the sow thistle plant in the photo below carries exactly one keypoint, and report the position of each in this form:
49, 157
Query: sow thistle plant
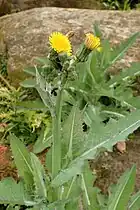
90, 110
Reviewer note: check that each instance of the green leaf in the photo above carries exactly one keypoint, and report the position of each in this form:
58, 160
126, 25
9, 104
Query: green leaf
22, 160
97, 31
44, 140
125, 74
45, 96
92, 113
119, 199
36, 105
43, 61
73, 204
28, 83
134, 102
58, 205
105, 55
39, 177
119, 51
90, 193
72, 189
13, 193
96, 73
135, 202
73, 132
10, 208
100, 137
32, 70
49, 160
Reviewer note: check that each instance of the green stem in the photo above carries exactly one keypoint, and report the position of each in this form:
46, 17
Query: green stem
56, 148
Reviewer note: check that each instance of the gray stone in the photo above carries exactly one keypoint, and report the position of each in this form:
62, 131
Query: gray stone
11, 6
26, 33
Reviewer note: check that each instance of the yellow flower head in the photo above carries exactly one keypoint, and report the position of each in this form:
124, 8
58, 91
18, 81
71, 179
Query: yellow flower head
92, 42
60, 43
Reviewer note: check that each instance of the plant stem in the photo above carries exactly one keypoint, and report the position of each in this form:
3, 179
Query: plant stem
56, 148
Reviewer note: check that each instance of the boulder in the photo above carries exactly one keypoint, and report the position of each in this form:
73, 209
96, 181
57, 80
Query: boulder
25, 34
11, 6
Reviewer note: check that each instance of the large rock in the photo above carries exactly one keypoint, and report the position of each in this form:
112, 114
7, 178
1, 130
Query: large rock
11, 6
25, 34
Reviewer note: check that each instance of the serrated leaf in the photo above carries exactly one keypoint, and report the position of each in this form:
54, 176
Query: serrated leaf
45, 96
106, 137
73, 132
119, 51
135, 202
119, 199
28, 83
13, 193
22, 159
39, 177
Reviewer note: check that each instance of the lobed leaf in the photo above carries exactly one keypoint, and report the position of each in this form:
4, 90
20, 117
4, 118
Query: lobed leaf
104, 137
39, 177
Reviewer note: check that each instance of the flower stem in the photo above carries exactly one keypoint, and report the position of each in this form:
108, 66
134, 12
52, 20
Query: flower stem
56, 148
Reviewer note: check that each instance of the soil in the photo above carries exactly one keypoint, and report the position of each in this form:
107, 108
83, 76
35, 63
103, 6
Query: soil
111, 165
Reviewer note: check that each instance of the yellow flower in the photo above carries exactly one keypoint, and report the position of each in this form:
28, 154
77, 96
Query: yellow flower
60, 43
92, 42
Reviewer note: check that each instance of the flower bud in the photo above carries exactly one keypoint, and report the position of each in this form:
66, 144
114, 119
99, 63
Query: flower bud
92, 42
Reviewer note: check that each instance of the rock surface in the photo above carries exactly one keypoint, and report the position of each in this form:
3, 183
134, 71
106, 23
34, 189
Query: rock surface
10, 6
25, 34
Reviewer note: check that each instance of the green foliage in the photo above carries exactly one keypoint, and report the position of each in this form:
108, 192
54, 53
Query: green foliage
13, 193
125, 187
20, 115
121, 4
135, 202
100, 110
71, 192
98, 137
22, 160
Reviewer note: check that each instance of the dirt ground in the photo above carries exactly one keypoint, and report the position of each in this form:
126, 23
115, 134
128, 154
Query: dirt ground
111, 165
